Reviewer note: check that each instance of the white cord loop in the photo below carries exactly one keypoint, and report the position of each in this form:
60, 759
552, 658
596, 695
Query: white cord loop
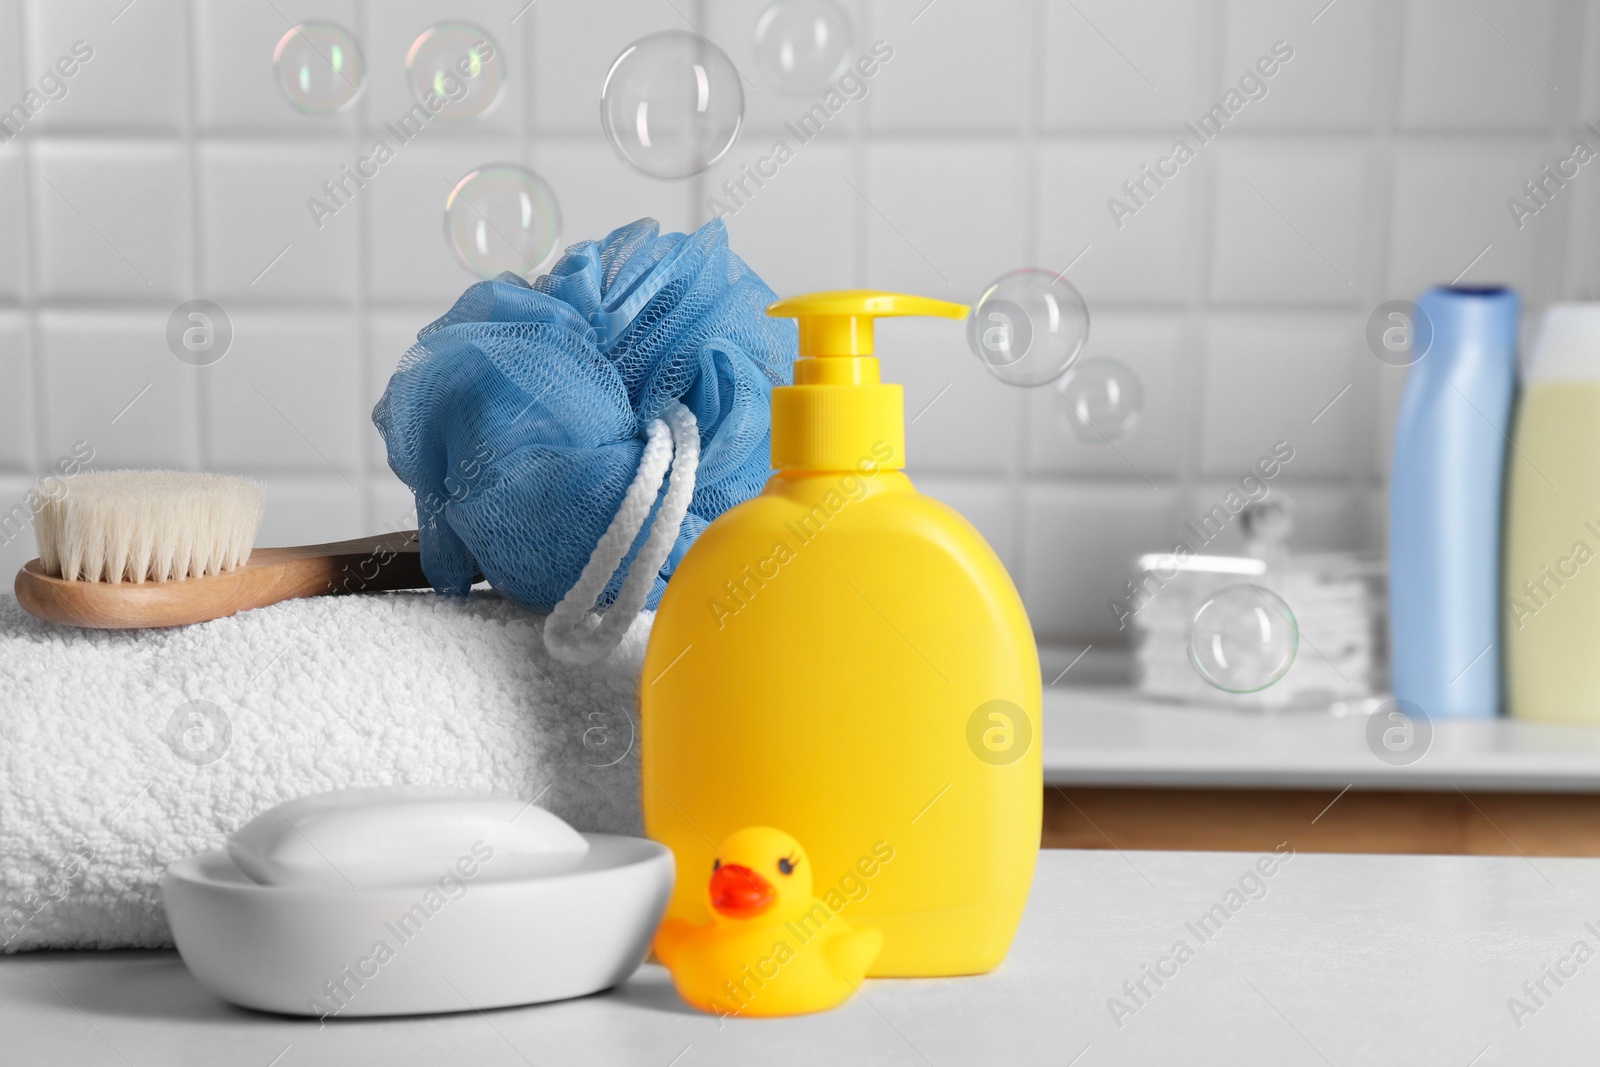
573, 633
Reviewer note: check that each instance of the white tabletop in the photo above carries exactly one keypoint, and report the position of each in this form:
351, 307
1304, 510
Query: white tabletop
1109, 736
1335, 959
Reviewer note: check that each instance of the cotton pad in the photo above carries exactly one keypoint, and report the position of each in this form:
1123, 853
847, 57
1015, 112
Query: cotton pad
387, 836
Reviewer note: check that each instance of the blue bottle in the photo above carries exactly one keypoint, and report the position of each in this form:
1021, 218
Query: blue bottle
1445, 504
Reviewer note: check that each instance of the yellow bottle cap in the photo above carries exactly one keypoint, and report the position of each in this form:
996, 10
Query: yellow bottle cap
837, 415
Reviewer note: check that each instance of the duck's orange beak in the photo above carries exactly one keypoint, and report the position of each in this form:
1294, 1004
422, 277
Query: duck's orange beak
740, 893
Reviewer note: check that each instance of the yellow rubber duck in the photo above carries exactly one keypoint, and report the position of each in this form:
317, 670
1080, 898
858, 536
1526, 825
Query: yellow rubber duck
771, 948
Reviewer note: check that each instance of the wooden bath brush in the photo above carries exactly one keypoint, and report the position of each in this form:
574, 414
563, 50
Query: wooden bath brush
126, 549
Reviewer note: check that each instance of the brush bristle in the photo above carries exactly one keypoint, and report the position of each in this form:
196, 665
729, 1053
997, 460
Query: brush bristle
137, 526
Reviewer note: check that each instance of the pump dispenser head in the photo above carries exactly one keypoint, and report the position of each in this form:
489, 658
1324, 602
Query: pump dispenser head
837, 415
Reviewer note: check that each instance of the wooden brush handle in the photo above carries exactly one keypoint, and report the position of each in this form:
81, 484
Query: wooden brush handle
270, 575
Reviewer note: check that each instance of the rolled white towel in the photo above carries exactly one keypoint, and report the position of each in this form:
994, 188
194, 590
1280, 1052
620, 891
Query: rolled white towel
122, 751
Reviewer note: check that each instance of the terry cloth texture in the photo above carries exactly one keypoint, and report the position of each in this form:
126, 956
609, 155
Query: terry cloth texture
122, 751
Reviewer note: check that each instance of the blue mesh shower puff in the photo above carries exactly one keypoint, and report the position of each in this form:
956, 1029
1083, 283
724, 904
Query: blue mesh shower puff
518, 418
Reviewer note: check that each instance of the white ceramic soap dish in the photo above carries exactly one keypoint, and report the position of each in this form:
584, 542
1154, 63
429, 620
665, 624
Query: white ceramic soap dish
522, 909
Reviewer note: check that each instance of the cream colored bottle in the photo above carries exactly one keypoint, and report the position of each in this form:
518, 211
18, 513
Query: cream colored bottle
1551, 609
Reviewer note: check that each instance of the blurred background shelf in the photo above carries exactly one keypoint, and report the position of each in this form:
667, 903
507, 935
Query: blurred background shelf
1123, 772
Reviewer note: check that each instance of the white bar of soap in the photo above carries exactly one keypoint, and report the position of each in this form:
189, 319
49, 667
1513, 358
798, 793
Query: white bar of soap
390, 836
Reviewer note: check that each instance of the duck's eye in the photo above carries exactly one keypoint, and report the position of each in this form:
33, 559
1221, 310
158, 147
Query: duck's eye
786, 865
715, 864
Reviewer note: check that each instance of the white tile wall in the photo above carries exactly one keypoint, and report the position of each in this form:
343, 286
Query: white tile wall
113, 220
1336, 68
403, 212
135, 80
17, 421
1449, 205
728, 23
1378, 162
574, 42
956, 421
232, 38
1149, 258
1490, 66
13, 227
246, 224
802, 234
940, 220
1302, 362
1155, 345
1114, 66
960, 67
1581, 279
1289, 219
109, 379
387, 38
286, 395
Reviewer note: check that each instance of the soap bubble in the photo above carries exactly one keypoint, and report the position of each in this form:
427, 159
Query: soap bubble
802, 45
320, 67
461, 65
672, 104
502, 217
1102, 400
1243, 639
1028, 326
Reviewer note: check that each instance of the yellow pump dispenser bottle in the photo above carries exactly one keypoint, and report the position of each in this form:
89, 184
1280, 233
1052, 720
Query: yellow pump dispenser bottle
847, 660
